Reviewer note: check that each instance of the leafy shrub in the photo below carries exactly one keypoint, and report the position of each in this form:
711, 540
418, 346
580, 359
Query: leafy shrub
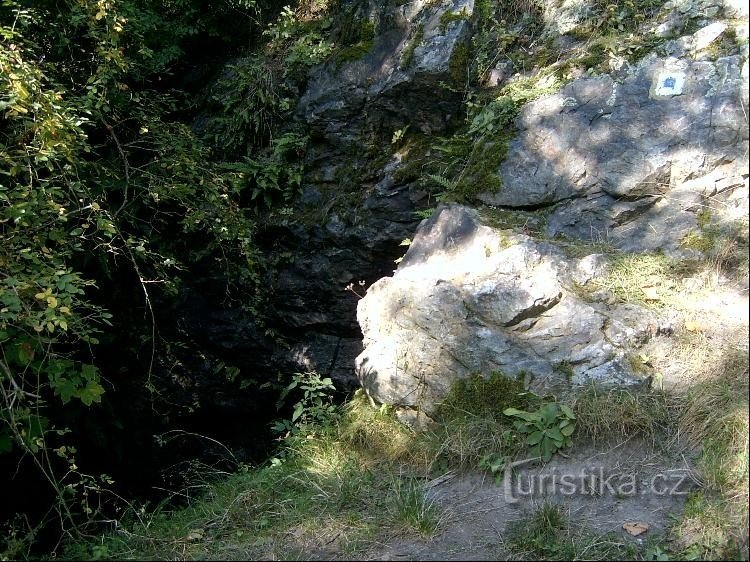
314, 408
496, 116
299, 42
247, 101
100, 186
274, 175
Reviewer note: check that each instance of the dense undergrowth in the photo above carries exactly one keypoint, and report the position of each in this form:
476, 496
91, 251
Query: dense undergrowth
113, 199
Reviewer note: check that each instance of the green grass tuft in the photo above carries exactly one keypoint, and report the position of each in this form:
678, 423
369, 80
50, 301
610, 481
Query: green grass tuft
410, 505
546, 534
485, 397
448, 17
408, 55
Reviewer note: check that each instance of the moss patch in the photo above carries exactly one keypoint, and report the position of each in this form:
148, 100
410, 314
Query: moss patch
408, 55
531, 222
459, 64
464, 167
484, 396
481, 174
416, 151
357, 41
448, 17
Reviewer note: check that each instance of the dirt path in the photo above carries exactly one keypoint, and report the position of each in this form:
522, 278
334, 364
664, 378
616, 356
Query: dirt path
622, 484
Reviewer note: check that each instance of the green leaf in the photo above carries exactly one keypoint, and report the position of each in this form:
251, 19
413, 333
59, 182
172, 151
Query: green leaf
512, 412
568, 430
91, 393
65, 389
89, 372
527, 416
284, 393
298, 409
548, 448
548, 413
6, 444
534, 438
567, 411
25, 353
554, 433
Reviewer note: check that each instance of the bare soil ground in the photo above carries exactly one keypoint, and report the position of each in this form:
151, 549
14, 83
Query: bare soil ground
615, 485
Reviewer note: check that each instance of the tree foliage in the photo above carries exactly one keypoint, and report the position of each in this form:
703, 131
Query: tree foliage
102, 181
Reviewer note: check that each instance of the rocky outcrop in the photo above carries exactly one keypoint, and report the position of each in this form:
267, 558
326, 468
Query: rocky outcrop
308, 301
357, 213
641, 159
353, 213
468, 298
565, 16
404, 79
629, 158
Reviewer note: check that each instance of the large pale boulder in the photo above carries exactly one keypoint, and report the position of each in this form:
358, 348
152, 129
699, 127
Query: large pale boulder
468, 298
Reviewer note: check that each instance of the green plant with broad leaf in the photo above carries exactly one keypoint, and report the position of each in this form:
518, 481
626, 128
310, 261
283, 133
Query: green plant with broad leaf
315, 407
547, 430
275, 174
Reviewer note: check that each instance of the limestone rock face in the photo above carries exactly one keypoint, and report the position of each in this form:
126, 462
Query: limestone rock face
359, 210
631, 159
628, 160
404, 78
468, 298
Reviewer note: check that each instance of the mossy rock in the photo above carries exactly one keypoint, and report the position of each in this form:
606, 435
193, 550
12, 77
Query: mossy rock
481, 174
408, 55
459, 64
416, 150
354, 33
484, 396
449, 17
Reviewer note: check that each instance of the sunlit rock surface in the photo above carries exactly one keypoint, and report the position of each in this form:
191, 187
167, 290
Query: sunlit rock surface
628, 160
468, 298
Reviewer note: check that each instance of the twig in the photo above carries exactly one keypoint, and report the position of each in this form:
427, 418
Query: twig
125, 163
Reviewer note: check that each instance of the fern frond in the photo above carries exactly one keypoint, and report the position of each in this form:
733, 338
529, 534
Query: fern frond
443, 182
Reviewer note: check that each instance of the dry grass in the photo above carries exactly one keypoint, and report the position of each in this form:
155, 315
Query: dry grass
715, 421
620, 414
344, 488
704, 413
547, 533
378, 438
464, 442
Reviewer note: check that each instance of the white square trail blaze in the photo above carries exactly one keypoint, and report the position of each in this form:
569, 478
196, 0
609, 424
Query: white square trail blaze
669, 84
